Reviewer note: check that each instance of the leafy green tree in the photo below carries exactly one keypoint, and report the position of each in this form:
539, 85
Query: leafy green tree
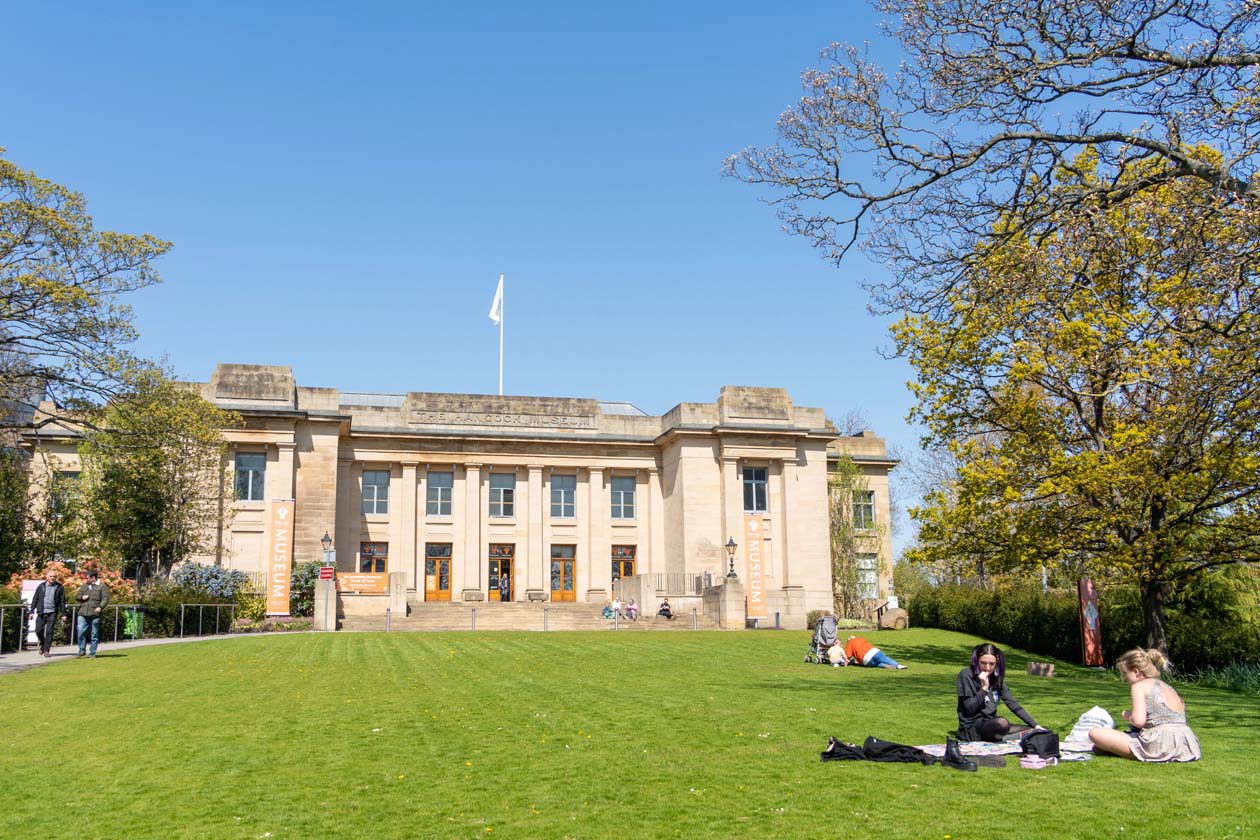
155, 472
851, 541
1099, 388
13, 512
63, 327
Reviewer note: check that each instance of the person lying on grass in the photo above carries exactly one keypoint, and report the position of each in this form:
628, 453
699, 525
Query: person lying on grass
1159, 715
861, 652
980, 687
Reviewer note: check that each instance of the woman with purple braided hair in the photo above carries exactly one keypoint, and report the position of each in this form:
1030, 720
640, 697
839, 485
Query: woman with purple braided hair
980, 687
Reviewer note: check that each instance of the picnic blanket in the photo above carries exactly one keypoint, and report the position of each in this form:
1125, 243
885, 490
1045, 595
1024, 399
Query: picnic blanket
1079, 752
975, 748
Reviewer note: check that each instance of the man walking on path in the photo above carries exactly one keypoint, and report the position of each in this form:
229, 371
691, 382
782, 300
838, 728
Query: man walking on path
48, 603
93, 598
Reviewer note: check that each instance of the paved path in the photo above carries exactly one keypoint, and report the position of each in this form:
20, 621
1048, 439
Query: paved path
13, 662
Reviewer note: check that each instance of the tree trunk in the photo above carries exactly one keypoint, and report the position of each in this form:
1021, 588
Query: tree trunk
1153, 594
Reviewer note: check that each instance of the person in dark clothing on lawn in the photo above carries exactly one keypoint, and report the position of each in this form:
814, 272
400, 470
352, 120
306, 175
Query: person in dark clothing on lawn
48, 603
980, 687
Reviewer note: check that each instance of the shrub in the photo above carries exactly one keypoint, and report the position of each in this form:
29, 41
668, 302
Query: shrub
302, 589
271, 625
1048, 624
250, 604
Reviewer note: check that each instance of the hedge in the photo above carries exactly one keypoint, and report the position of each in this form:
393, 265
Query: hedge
1048, 624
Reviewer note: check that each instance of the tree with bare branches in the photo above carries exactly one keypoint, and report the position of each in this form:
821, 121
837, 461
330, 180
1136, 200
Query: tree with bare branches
919, 164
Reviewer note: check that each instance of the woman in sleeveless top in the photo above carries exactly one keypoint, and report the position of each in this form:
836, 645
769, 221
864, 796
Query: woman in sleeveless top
1159, 715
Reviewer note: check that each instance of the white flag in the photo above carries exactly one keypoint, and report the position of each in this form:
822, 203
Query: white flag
496, 308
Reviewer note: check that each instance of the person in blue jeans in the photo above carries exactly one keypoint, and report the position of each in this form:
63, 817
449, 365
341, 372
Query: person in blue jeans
861, 652
93, 598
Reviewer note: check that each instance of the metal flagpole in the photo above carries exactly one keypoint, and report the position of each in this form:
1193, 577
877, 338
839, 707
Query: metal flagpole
501, 341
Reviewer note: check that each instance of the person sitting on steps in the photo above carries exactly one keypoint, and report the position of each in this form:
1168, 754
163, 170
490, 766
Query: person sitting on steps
665, 611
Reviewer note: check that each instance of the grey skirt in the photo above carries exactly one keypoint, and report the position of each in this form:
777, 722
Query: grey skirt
1166, 742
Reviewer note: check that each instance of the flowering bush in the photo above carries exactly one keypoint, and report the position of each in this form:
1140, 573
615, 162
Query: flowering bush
121, 590
214, 581
271, 625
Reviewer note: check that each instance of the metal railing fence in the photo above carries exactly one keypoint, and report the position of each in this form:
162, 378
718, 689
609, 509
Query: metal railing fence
219, 611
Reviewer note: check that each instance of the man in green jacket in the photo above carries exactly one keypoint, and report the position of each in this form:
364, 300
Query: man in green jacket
93, 598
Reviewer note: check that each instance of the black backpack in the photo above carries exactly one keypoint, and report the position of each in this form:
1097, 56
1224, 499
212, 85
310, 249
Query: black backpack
1041, 742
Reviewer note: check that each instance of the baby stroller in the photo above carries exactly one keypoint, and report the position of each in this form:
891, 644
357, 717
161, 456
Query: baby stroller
825, 636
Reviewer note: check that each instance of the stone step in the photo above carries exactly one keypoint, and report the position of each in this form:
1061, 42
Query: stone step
504, 617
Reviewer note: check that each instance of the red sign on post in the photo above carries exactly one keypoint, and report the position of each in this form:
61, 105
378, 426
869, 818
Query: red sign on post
1091, 633
326, 572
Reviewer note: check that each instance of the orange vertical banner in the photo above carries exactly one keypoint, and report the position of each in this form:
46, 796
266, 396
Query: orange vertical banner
279, 555
754, 551
1091, 633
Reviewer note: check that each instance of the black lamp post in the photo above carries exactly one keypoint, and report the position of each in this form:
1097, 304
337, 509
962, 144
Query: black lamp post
326, 542
730, 553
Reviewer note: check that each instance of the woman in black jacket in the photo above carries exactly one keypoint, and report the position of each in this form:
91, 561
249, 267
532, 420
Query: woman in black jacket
980, 687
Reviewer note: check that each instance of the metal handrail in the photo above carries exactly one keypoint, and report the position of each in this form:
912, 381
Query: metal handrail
201, 614
21, 635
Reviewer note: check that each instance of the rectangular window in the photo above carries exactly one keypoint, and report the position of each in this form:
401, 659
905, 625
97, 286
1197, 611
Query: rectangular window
440, 486
755, 490
373, 557
622, 497
503, 495
251, 468
868, 576
864, 509
64, 492
376, 491
563, 489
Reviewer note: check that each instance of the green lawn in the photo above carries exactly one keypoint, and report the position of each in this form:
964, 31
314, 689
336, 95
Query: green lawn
570, 735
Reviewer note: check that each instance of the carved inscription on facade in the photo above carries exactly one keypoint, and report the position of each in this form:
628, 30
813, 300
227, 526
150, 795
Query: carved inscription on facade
518, 421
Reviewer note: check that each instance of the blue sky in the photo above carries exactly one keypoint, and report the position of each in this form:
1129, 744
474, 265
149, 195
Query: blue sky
343, 185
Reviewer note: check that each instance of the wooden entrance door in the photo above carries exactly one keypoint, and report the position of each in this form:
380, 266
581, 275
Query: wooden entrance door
499, 578
622, 562
437, 572
563, 573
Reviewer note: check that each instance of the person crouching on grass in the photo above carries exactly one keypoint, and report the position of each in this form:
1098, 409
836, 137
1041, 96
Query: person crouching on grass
862, 652
1159, 715
980, 687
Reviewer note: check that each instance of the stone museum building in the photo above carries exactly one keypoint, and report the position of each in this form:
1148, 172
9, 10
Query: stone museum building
480, 498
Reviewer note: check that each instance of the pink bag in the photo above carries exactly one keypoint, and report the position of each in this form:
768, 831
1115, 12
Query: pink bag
1036, 762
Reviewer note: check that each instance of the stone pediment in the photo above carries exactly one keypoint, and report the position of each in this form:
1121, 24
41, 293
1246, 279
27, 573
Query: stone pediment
495, 412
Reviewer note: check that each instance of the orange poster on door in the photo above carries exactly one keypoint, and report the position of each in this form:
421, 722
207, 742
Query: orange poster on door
279, 555
755, 569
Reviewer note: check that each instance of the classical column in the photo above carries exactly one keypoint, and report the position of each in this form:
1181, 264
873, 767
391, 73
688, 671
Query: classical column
406, 514
535, 564
655, 502
283, 486
472, 553
732, 508
346, 534
598, 549
782, 533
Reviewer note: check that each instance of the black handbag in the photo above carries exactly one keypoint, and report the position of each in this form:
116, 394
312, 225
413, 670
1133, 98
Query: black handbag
1040, 742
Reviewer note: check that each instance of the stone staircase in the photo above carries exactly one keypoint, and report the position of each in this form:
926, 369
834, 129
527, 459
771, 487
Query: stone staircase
514, 616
